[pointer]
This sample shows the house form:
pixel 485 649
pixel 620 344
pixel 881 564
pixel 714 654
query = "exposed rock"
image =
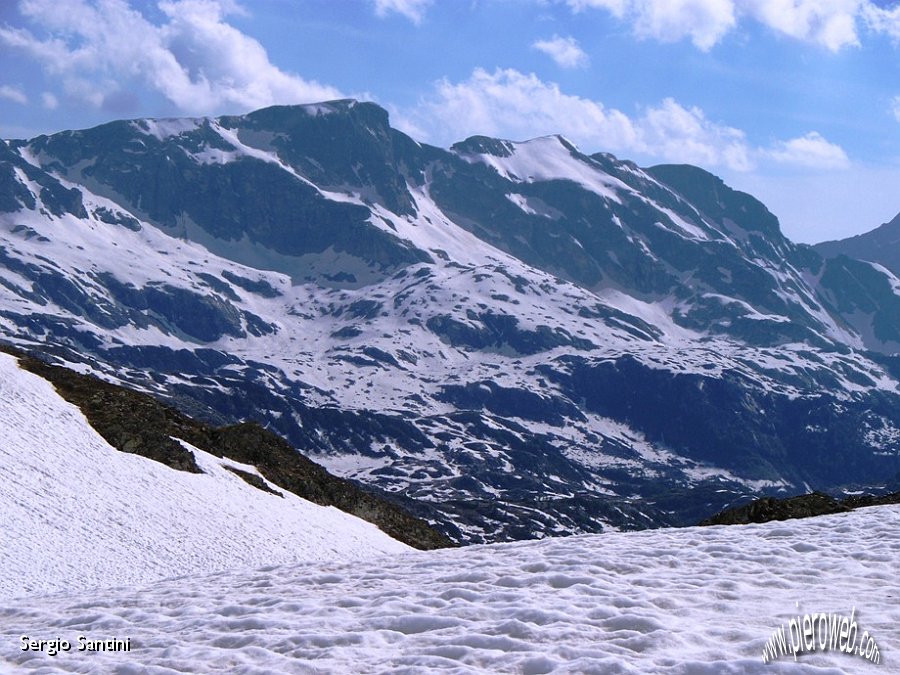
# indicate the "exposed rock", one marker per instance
pixel 861 501
pixel 770 508
pixel 802 506
pixel 252 479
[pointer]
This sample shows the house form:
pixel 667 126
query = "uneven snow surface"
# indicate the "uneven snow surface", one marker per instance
pixel 697 600
pixel 76 513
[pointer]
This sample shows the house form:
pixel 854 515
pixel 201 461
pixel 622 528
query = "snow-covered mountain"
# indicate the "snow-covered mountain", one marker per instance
pixel 79 514
pixel 529 340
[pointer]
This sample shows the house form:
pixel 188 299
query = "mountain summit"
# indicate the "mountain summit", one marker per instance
pixel 528 339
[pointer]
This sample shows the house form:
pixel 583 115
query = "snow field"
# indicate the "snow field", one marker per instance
pixel 76 513
pixel 689 601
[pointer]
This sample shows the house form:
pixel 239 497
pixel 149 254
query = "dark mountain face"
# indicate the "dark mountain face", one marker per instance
pixel 738 211
pixel 530 340
pixel 236 180
pixel 856 287
pixel 881 245
pixel 860 279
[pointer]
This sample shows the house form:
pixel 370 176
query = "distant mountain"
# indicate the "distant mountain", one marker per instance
pixel 527 339
pixel 881 245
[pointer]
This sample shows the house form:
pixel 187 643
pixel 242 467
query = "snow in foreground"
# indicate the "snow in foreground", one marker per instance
pixel 76 513
pixel 697 600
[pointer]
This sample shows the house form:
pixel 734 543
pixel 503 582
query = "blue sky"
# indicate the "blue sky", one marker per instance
pixel 795 101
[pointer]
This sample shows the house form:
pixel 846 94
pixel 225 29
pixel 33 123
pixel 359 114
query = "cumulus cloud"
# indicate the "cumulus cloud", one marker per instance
pixel 833 24
pixel 811 150
pixel 565 51
pixel 830 23
pixel 414 10
pixel 675 133
pixel 194 57
pixel 13 94
pixel 513 104
pixel 705 22
pixel 508 102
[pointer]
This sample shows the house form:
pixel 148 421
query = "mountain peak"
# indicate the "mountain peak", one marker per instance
pixel 367 113
pixel 484 145
pixel 498 147
pixel 711 195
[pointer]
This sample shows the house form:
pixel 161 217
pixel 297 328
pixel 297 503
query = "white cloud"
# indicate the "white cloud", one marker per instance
pixel 414 10
pixel 511 104
pixel 13 94
pixel 830 23
pixel 194 57
pixel 811 150
pixel 50 101
pixel 675 133
pixel 565 51
pixel 883 20
pixel 833 24
pixel 895 107
pixel 705 22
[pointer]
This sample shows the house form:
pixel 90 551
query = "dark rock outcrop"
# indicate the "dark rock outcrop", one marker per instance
pixel 802 506
pixel 770 508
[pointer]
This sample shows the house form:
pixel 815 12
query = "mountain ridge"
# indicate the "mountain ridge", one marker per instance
pixel 534 340
pixel 881 245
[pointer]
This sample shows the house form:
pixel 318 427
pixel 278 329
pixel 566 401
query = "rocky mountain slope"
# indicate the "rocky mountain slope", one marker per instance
pixel 881 245
pixel 529 340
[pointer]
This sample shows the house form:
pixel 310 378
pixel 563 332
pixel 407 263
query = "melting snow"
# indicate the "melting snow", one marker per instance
pixel 162 129
pixel 522 202
pixel 546 158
